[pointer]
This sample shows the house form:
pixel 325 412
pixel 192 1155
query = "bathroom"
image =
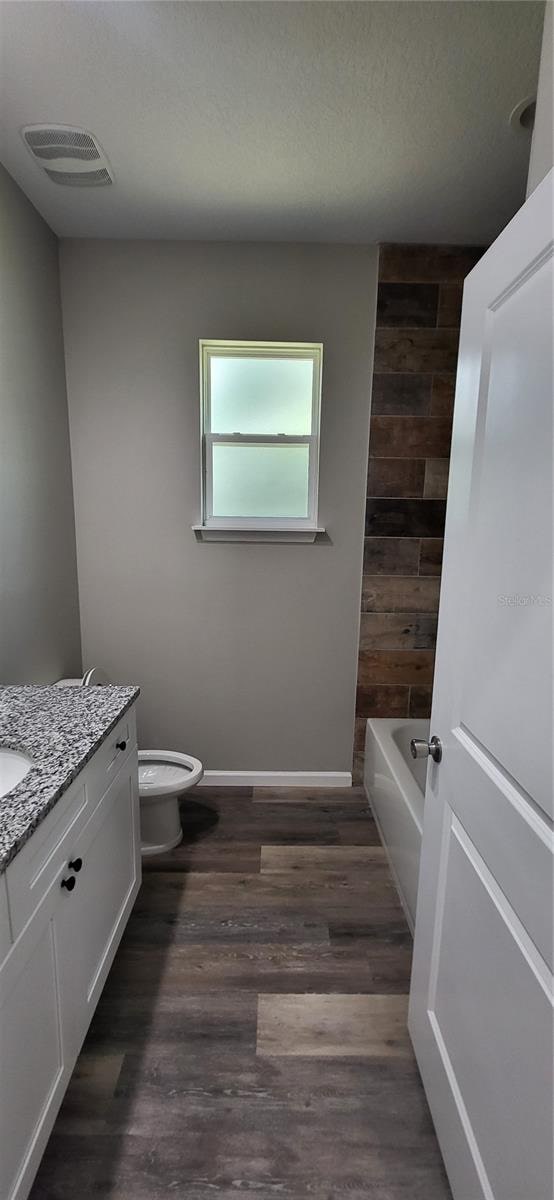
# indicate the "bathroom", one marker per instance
pixel 248 942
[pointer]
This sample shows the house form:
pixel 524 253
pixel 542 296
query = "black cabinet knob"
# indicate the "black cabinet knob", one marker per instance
pixel 121 745
pixel 75 864
pixel 69 883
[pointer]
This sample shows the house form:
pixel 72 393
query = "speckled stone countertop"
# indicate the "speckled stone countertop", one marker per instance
pixel 60 729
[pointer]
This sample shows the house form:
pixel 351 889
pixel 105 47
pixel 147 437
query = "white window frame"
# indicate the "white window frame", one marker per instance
pixel 256 528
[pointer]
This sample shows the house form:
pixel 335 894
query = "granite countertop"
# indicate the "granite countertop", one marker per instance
pixel 60 729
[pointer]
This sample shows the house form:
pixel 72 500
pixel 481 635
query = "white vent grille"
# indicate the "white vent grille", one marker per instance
pixel 81 179
pixel 58 136
pixel 84 153
pixel 69 153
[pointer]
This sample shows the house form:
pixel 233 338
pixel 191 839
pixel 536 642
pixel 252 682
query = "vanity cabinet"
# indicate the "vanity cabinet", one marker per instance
pixel 69 893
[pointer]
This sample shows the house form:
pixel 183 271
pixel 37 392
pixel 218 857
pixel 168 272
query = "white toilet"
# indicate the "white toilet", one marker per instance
pixel 163 776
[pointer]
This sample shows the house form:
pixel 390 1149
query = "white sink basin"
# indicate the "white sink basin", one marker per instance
pixel 14 766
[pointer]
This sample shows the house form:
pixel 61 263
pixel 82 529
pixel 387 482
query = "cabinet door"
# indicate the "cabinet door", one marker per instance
pixel 31 1060
pixel 91 917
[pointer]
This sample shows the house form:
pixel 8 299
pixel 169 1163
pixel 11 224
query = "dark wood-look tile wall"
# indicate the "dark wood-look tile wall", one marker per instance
pixel 442 395
pixel 419 304
pixel 399 593
pixel 410 437
pixel 420 350
pixel 407 304
pixel 436 477
pixel 397 477
pixel 397 517
pixel 401 395
pixel 397 630
pixel 405 263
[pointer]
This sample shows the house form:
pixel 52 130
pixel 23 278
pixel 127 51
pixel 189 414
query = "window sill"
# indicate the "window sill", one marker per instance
pixel 271 533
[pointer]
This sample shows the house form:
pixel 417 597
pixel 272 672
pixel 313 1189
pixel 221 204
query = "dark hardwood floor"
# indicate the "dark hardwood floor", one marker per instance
pixel 251 1038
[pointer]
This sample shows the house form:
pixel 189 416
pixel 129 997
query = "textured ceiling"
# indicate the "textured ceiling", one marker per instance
pixel 277 121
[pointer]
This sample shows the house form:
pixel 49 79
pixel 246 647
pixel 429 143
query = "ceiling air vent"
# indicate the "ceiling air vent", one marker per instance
pixel 68 155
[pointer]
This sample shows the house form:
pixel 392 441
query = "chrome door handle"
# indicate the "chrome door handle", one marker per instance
pixel 432 748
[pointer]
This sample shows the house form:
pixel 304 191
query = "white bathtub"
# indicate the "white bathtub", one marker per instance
pixel 395 784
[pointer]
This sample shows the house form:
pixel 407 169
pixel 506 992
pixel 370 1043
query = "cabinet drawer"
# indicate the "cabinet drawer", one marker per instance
pixel 111 755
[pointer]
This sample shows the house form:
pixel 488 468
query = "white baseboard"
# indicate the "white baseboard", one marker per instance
pixel 300 779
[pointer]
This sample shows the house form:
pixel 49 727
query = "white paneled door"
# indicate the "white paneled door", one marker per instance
pixel 481 1000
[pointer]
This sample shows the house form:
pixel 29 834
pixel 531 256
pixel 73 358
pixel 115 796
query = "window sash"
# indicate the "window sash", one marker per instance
pixel 287 350
pixel 214 439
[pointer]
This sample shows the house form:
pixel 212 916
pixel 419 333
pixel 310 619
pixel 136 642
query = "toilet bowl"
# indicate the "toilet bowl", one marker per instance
pixel 163 777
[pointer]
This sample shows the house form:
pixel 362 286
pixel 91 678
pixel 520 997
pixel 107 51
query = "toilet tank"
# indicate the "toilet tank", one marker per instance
pixel 94 677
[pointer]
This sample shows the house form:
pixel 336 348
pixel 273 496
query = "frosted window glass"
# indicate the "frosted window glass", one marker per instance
pixel 260 481
pixel 261 395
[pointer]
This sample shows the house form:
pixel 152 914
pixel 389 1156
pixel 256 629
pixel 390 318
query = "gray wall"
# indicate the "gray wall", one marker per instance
pixel 246 653
pixel 542 146
pixel 39 614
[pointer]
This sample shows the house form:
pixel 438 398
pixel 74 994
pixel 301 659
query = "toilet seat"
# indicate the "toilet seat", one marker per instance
pixel 166 773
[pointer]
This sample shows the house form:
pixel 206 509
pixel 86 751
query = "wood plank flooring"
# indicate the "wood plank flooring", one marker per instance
pixel 251 1038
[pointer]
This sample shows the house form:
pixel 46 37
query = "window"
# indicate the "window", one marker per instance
pixel 260 437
